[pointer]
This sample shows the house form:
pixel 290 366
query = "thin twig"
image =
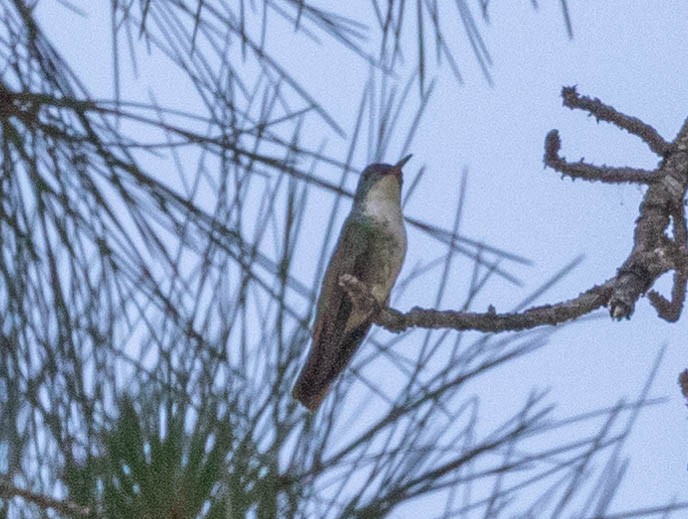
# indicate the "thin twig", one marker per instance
pixel 604 112
pixel 591 172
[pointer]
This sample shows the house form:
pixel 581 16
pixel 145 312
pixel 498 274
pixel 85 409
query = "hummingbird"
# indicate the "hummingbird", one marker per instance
pixel 371 247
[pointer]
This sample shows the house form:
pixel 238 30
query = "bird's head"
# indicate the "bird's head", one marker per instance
pixel 381 180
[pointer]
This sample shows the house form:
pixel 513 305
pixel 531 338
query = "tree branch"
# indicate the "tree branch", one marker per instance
pixel 653 252
pixel 683 383
pixel 602 112
pixel 490 321
pixel 590 171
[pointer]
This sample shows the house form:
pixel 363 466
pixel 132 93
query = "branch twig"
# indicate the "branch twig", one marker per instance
pixel 683 383
pixel 602 112
pixel 589 171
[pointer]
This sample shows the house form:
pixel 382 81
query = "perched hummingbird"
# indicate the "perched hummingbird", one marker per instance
pixel 371 247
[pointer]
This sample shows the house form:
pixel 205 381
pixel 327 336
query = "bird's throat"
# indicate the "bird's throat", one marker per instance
pixel 383 200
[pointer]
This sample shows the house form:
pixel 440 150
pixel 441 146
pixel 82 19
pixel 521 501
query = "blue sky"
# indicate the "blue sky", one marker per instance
pixel 630 55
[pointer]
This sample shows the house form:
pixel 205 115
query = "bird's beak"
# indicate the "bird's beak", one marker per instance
pixel 400 164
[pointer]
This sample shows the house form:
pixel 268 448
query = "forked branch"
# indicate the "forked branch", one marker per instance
pixel 659 241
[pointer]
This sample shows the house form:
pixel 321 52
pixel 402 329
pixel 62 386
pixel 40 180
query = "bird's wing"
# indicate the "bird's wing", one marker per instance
pixel 333 344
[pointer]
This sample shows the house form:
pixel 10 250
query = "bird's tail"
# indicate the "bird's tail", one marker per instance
pixel 325 363
pixel 308 389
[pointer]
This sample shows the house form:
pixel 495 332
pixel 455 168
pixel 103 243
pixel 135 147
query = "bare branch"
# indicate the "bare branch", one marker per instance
pixel 490 321
pixel 670 310
pixel 652 255
pixel 590 171
pixel 604 112
pixel 683 382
